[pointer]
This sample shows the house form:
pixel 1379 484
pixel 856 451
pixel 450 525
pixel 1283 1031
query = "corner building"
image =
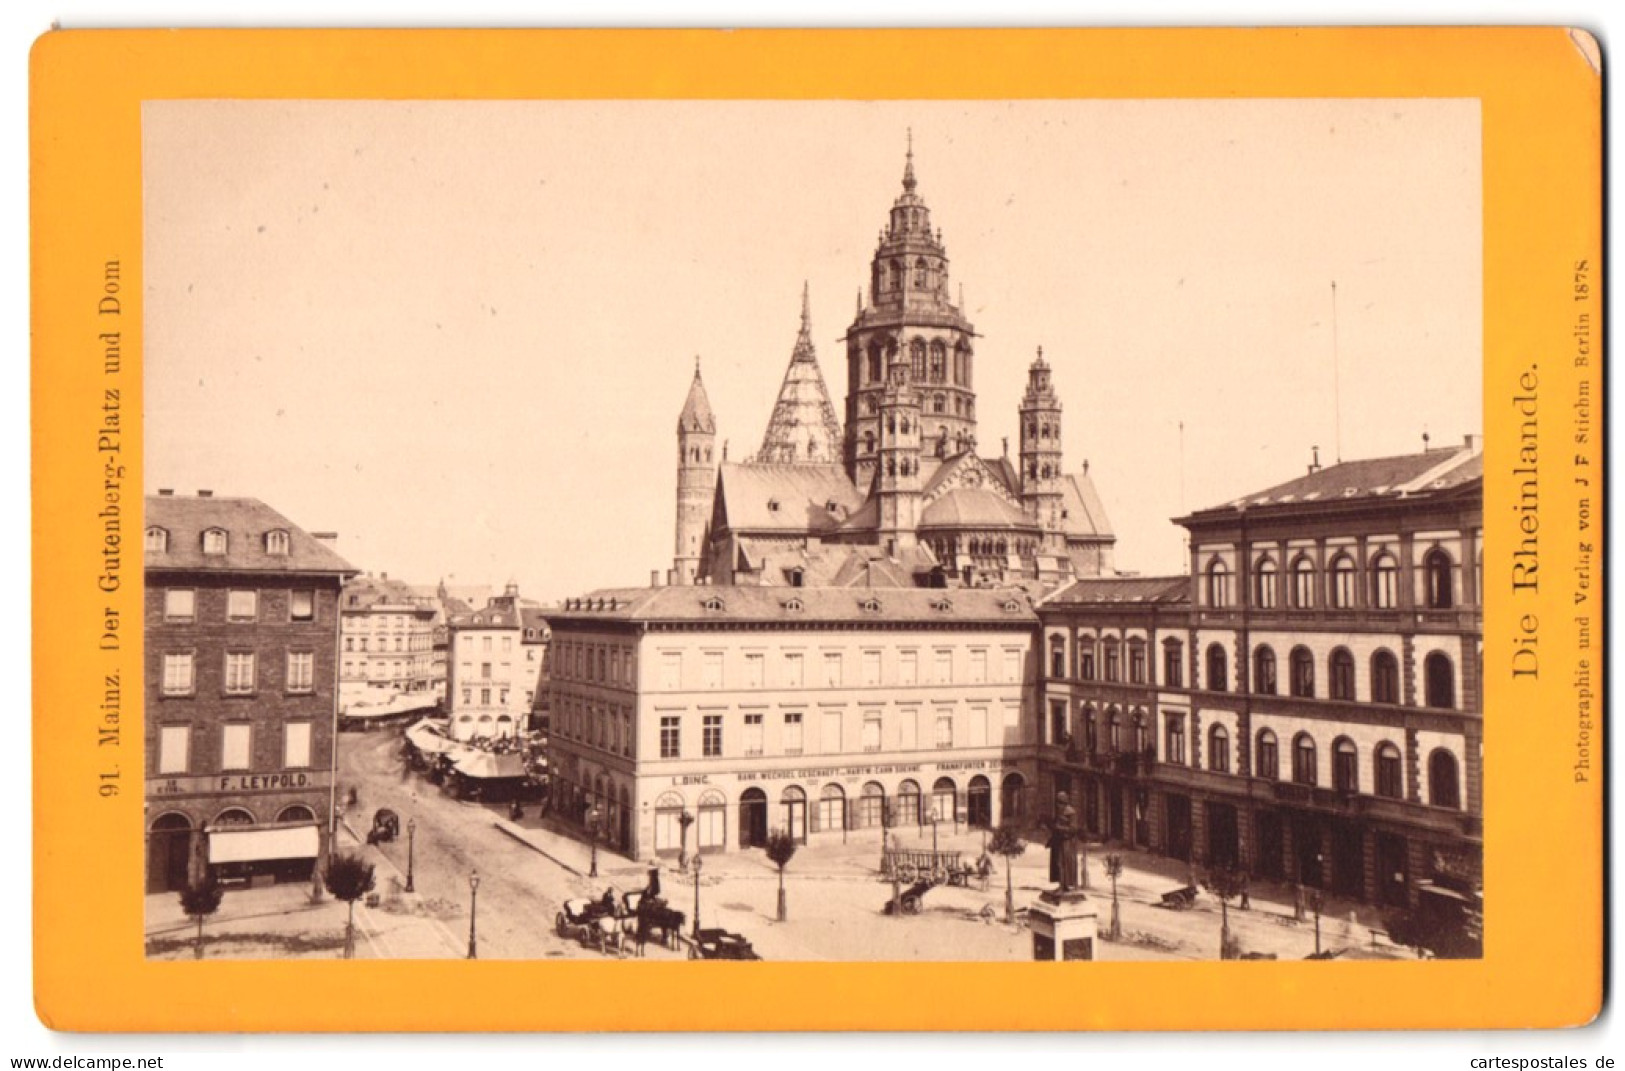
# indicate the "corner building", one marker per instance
pixel 241 692
pixel 824 712
pixel 1307 704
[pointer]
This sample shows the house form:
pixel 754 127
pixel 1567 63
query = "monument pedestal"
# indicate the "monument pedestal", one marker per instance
pixel 1065 926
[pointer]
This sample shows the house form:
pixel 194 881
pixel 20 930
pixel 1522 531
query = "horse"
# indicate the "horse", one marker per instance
pixel 614 929
pixel 655 914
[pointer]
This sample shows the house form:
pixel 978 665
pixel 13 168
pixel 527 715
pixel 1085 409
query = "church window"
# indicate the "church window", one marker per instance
pixel 874 364
pixel 920 273
pixel 896 282
pixel 868 442
pixel 939 404
pixel 916 356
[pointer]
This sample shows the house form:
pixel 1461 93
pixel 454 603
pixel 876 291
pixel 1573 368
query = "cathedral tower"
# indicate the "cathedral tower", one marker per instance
pixel 897 459
pixel 696 479
pixel 1041 453
pixel 803 428
pixel 910 318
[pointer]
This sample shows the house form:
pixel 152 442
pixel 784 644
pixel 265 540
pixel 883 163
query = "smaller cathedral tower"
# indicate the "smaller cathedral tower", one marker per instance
pixel 897 462
pixel 696 479
pixel 1041 453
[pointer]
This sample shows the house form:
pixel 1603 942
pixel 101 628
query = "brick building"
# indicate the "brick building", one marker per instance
pixel 241 693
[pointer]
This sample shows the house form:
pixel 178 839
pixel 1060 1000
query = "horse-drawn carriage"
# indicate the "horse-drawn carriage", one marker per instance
pixel 936 868
pixel 386 826
pixel 1179 899
pixel 606 922
pixel 720 944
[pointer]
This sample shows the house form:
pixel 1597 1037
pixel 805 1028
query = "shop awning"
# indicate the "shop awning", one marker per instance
pixel 427 739
pixel 488 764
pixel 253 845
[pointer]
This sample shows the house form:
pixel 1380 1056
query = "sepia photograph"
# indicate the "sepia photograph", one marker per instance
pixel 898 531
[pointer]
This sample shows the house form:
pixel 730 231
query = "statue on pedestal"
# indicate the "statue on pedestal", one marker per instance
pixel 1063 852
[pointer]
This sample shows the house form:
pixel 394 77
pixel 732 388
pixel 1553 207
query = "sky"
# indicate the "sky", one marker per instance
pixel 460 333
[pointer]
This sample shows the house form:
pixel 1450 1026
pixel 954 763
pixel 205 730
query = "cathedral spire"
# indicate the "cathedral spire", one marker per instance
pixel 803 427
pixel 697 415
pixel 908 165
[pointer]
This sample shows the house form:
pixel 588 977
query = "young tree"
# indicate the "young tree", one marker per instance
pixel 348 878
pixel 781 848
pixel 1114 870
pixel 199 901
pixel 1225 884
pixel 1008 842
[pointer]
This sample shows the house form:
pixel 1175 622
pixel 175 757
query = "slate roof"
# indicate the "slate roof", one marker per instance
pixel 816 605
pixel 696 414
pixel 802 493
pixel 1405 476
pixel 1160 590
pixel 245 522
pixel 973 507
pixel 1085 513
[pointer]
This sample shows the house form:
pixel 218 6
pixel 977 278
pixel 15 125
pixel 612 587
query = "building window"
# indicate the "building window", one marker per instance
pixel 242 605
pixel 1303 673
pixel 1384 677
pixel 276 542
pixel 1303 759
pixel 871 668
pixel 180 604
pixel 671 670
pixel 1114 731
pixel 753 734
pixel 793 675
pixel 296 744
pixel 1342 675
pixel 214 541
pixel 755 669
pixel 1344 583
pixel 832 669
pixel 670 736
pixel 1057 721
pixel 178 676
pixel 1174 749
pixel 1345 766
pixel 1113 661
pixel 1265 582
pixel 240 673
pixel 871 731
pixel 174 749
pixel 1218 584
pixel 1444 789
pixel 1436 575
pixel 157 540
pixel 485 671
pixel 945 730
pixel 944 667
pixel 978 667
pixel 711 742
pixel 1303 584
pixel 1086 661
pixel 711 669
pixel 1218 749
pixel 1390 780
pixel 1091 735
pixel 485 697
pixel 1269 756
pixel 301 606
pixel 792 733
pixel 235 752
pixel 1384 582
pixel 1264 671
pixel 1439 679
pixel 1218 674
pixel 1136 662
pixel 301 671
pixel 908 667
pixel 1057 657
pixel 1173 664
pixel 1012 665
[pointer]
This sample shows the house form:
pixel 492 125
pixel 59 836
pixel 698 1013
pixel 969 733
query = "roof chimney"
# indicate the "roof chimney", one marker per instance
pixel 1314 464
pixel 654 578
pixel 205 493
pixel 1472 442
pixel 166 492
pixel 325 537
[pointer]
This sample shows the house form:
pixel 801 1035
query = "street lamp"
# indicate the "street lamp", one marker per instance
pixel 411 846
pixel 696 897
pixel 1317 901
pixel 936 816
pixel 593 818
pixel 473 911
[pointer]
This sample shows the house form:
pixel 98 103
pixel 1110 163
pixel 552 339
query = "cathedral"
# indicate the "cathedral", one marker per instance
pixel 900 497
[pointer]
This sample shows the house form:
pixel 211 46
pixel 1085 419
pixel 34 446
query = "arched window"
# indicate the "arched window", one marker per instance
pixel 1264 670
pixel 1384 677
pixel 875 372
pixel 157 540
pixel 1218 584
pixel 916 357
pixel 1344 590
pixel 1440 679
pixel 1303 759
pixel 1173 664
pixel 1142 733
pixel 1384 582
pixel 1390 778
pixel 939 362
pixel 896 275
pixel 920 273
pixel 1268 765
pixel 1444 788
pixel 1218 674
pixel 1345 766
pixel 1303 584
pixel 1436 571
pixel 1114 732
pixel 939 404
pixel 869 442
pixel 1218 749
pixel 1342 675
pixel 1266 580
pixel 1303 673
pixel 908 804
pixel 1086 658
pixel 1091 736
pixel 1113 659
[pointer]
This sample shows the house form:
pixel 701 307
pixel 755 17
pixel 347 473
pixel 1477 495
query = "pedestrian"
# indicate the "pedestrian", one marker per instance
pixel 652 890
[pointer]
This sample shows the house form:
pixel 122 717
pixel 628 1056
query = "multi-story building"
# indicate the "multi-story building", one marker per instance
pixel 821 711
pixel 494 660
pixel 1307 703
pixel 241 639
pixel 387 629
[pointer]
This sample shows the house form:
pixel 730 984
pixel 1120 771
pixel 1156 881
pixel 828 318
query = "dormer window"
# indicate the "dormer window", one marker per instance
pixel 157 540
pixel 794 605
pixel 714 604
pixel 942 606
pixel 276 541
pixel 772 505
pixel 870 606
pixel 214 541
pixel 1011 606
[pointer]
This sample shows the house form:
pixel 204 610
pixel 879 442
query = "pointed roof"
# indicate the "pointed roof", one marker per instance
pixel 803 428
pixel 696 415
